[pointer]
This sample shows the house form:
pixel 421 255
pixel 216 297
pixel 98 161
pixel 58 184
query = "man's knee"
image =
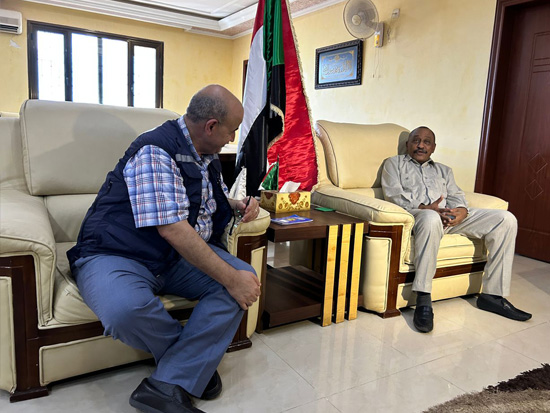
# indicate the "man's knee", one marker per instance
pixel 428 220
pixel 239 264
pixel 504 221
pixel 509 220
pixel 251 269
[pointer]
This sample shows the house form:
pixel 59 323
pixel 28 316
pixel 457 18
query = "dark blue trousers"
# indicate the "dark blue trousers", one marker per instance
pixel 124 296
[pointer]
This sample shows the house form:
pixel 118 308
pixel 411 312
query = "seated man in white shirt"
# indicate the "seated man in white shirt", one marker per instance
pixel 428 191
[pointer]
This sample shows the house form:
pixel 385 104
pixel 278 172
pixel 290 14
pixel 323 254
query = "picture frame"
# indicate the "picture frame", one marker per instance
pixel 339 65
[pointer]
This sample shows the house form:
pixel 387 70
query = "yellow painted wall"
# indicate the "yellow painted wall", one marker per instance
pixel 241 49
pixel 190 61
pixel 432 71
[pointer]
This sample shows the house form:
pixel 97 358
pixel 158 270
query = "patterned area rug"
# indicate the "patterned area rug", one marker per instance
pixel 527 393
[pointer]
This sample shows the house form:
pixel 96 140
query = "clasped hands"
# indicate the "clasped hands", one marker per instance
pixel 450 217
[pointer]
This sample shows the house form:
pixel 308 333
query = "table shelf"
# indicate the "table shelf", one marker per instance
pixel 295 293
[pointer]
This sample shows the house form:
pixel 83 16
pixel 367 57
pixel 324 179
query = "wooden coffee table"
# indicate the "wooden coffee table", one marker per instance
pixel 297 293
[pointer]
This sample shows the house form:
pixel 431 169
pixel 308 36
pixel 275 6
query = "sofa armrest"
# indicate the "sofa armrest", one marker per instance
pixel 245 229
pixel 369 208
pixel 361 206
pixel 477 200
pixel 255 252
pixel 25 230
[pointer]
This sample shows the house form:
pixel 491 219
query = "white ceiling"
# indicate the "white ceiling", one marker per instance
pixel 221 18
pixel 209 8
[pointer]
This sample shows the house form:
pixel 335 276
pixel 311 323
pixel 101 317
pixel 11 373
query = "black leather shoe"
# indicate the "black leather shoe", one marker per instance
pixel 423 318
pixel 150 400
pixel 213 388
pixel 500 305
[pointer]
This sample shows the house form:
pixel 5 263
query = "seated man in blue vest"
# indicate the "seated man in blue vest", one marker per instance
pixel 427 190
pixel 155 228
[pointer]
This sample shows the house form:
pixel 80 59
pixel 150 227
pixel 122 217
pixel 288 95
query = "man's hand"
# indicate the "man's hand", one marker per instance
pixel 243 285
pixel 244 288
pixel 443 212
pixel 434 205
pixel 249 212
pixel 459 214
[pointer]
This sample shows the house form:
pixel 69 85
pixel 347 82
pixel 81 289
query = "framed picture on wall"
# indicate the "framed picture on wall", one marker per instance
pixel 339 65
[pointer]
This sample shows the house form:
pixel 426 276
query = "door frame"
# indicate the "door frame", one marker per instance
pixel 494 96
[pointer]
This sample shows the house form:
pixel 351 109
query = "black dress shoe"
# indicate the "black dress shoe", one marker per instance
pixel 424 318
pixel 150 400
pixel 213 388
pixel 501 306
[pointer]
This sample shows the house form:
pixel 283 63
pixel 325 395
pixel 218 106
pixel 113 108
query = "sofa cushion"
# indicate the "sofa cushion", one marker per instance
pixel 11 158
pixel 72 153
pixel 68 305
pixel 353 145
pixel 66 214
pixel 454 250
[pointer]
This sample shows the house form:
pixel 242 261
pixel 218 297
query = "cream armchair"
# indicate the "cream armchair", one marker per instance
pixel 350 158
pixel 53 160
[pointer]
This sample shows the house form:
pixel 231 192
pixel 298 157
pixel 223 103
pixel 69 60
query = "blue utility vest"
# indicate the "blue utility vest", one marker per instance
pixel 109 226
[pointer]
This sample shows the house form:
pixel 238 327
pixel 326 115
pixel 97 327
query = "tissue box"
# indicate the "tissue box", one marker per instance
pixel 275 201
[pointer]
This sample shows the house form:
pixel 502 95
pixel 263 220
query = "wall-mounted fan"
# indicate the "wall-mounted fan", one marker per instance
pixel 361 18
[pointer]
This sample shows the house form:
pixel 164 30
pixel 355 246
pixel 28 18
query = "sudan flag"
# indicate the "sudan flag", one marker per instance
pixel 276 123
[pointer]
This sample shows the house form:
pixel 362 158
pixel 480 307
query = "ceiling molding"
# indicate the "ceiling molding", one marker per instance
pixel 241 20
pixel 135 12
pixel 240 17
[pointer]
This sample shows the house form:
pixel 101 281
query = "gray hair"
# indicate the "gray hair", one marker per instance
pixel 204 106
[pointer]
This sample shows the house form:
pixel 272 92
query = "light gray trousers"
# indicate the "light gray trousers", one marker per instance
pixel 496 227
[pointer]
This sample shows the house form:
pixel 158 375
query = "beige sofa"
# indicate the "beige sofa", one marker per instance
pixel 350 161
pixel 53 159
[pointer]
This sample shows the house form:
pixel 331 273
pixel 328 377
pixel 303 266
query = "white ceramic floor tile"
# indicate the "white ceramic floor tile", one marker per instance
pixel 278 254
pixel 380 365
pixel 318 406
pixel 409 391
pixel 532 342
pixel 257 380
pixel 445 339
pixel 100 393
pixel 336 357
pixel 476 368
pixel 525 266
pixel 465 313
pixel 532 294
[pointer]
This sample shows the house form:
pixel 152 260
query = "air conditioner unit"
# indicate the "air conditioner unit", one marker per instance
pixel 11 22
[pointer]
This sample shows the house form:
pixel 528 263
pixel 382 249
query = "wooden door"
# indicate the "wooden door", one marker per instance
pixel 515 147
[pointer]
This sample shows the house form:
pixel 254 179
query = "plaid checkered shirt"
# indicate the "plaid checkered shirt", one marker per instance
pixel 156 189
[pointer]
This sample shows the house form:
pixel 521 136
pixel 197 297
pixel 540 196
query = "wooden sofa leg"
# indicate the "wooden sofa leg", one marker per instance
pixel 240 341
pixel 390 313
pixel 34 393
pixel 393 232
pixel 391 303
pixel 244 251
pixel 25 320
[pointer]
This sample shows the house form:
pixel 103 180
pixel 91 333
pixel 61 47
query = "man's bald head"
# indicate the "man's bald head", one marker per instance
pixel 213 116
pixel 212 102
